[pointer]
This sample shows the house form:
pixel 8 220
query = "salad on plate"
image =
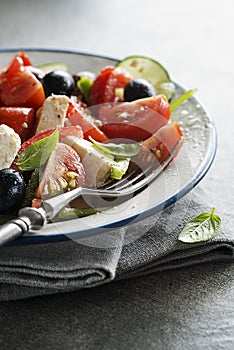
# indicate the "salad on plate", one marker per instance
pixel 60 130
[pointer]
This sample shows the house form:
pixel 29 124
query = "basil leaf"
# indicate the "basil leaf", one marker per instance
pixel 181 99
pixel 201 228
pixel 37 153
pixel 32 187
pixel 119 150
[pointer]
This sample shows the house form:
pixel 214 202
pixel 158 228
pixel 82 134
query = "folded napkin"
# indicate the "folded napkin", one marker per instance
pixel 145 247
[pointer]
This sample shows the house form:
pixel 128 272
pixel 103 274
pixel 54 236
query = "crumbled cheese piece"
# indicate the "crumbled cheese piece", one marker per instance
pixel 97 164
pixel 10 144
pixel 53 113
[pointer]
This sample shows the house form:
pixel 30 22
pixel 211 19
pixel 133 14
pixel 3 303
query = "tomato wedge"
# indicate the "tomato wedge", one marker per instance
pixel 20 119
pixel 25 58
pixel 77 115
pixel 136 120
pixel 164 140
pixel 64 171
pixel 19 87
pixel 104 87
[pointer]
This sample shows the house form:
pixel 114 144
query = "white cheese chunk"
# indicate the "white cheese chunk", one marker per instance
pixel 10 144
pixel 97 164
pixel 53 113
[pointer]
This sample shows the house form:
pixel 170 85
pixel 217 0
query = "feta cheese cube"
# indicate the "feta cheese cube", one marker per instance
pixel 97 164
pixel 10 144
pixel 53 113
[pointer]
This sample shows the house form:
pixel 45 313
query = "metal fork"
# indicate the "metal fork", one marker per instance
pixel 34 219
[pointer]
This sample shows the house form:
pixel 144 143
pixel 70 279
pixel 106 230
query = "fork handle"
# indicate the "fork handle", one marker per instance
pixel 12 230
pixel 29 219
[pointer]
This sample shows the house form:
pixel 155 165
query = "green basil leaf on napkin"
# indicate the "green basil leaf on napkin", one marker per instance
pixel 201 228
pixel 37 153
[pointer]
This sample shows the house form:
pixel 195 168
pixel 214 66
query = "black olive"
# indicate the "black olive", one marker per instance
pixel 138 88
pixel 58 82
pixel 12 190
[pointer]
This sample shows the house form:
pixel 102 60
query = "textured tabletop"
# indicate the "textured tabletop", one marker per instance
pixel 187 308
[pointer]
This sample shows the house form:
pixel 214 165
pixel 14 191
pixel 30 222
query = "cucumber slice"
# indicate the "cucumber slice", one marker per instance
pixel 151 70
pixel 50 67
pixel 167 89
pixel 119 168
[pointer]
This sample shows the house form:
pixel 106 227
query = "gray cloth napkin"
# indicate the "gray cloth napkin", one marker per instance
pixel 144 247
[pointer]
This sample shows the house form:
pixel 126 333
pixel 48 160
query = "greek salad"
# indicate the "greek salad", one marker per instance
pixel 61 130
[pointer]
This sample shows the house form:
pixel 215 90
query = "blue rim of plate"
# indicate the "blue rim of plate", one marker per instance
pixel 204 168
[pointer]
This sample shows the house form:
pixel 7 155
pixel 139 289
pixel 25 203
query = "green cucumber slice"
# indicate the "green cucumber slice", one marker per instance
pixel 119 168
pixel 50 67
pixel 167 89
pixel 151 70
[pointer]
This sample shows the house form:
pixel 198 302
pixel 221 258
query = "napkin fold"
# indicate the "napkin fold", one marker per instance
pixel 145 247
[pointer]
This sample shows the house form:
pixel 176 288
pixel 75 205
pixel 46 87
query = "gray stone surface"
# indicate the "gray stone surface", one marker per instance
pixel 187 308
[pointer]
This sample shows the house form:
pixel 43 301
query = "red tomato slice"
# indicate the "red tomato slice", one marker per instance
pixel 77 115
pixel 72 130
pixel 19 87
pixel 104 86
pixel 135 120
pixel 36 203
pixel 20 119
pixel 164 140
pixel 25 58
pixel 64 171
